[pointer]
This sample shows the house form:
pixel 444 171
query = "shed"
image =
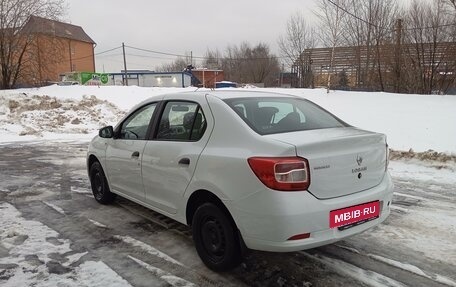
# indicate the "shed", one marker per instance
pixel 144 78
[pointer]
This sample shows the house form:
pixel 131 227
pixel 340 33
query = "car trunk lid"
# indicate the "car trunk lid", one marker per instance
pixel 342 160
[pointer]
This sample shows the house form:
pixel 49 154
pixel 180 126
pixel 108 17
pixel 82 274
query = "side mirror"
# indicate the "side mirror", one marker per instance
pixel 106 132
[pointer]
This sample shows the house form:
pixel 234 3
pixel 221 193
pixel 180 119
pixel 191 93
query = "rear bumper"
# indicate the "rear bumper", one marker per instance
pixel 268 218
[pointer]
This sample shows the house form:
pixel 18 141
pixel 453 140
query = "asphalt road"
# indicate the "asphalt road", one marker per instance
pixel 47 182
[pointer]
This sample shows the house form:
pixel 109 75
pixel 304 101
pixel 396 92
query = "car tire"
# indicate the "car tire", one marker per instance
pixel 99 184
pixel 216 238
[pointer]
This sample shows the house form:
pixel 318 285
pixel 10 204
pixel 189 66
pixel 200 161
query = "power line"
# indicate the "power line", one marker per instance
pixel 106 51
pixel 351 14
pixel 158 52
pixel 203 57
pixel 371 24
pixel 149 57
pixel 91 55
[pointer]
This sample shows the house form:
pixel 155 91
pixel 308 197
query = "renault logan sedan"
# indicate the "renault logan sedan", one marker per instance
pixel 267 171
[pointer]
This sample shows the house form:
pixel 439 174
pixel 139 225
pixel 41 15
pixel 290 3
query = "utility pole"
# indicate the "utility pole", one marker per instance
pixel 398 52
pixel 125 66
pixel 191 58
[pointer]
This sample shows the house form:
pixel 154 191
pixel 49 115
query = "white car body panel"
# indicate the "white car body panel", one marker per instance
pixel 218 163
pixel 332 155
pixel 123 170
pixel 165 180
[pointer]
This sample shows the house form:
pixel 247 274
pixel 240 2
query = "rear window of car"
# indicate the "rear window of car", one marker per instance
pixel 270 115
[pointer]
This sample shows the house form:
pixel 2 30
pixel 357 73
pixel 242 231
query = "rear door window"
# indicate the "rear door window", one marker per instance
pixel 181 121
pixel 282 114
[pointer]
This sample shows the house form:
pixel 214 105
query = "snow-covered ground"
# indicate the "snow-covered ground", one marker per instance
pixel 32 246
pixel 418 122
pixel 52 233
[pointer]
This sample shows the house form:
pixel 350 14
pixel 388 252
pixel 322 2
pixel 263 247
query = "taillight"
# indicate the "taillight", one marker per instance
pixel 282 173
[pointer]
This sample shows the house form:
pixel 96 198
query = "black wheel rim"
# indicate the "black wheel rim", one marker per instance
pixel 97 185
pixel 213 238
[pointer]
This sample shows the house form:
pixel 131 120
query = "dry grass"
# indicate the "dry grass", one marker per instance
pixel 429 155
pixel 12 105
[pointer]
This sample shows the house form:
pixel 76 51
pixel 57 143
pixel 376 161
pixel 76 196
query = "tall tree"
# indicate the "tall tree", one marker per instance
pixel 178 65
pixel 452 2
pixel 332 15
pixel 369 26
pixel 299 36
pixel 212 59
pixel 384 14
pixel 14 40
pixel 430 33
pixel 247 64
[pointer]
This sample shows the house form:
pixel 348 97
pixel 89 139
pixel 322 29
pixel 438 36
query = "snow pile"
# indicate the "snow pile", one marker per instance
pixel 429 155
pixel 418 122
pixel 35 115
pixel 430 159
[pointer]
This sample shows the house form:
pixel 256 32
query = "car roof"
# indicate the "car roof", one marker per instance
pixel 221 94
pixel 229 94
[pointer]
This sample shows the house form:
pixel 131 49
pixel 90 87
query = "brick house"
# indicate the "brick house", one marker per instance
pixel 208 77
pixel 55 48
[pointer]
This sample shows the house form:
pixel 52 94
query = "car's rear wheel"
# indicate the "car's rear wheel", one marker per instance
pixel 216 238
pixel 99 184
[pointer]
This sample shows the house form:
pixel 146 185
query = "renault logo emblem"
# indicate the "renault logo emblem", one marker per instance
pixel 359 160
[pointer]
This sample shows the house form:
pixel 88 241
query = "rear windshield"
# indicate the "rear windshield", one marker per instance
pixel 282 114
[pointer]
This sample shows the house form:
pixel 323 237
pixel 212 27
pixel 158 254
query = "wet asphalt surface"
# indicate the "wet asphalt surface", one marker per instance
pixel 33 174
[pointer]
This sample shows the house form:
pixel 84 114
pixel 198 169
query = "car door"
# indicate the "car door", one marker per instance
pixel 170 158
pixel 124 153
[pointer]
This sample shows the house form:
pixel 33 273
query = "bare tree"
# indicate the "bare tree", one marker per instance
pixel 263 67
pixel 212 59
pixel 331 16
pixel 299 37
pixel 452 2
pixel 369 27
pixel 247 64
pixel 430 52
pixel 15 41
pixel 178 65
pixel 383 19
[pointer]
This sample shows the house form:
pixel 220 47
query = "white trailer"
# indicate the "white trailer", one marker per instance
pixel 152 79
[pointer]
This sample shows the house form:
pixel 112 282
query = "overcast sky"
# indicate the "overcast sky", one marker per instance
pixel 179 26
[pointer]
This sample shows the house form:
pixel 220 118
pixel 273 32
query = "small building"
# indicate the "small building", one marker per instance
pixel 287 79
pixel 145 78
pixel 399 67
pixel 208 77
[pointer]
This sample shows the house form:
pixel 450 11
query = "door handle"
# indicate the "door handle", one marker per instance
pixel 135 154
pixel 184 160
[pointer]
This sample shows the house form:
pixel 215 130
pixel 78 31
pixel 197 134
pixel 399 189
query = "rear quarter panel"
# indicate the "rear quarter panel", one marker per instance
pixel 223 168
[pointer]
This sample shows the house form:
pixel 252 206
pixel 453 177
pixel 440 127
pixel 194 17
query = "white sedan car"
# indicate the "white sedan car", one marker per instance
pixel 267 171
